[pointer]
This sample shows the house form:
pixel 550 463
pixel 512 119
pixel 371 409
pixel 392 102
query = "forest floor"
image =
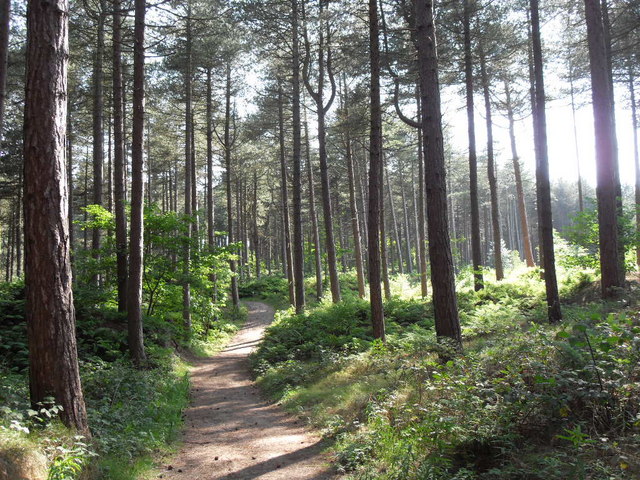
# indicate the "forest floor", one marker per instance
pixel 232 432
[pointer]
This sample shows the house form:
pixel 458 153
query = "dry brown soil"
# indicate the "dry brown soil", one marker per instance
pixel 231 432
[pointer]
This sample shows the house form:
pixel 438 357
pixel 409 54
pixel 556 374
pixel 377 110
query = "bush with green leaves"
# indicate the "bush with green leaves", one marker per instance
pixel 581 249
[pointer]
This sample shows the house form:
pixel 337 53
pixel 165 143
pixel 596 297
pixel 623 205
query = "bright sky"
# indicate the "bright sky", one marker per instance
pixel 562 150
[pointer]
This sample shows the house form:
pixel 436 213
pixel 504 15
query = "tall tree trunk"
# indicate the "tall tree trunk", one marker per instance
pixel 228 145
pixel 491 170
pixel 636 156
pixel 5 25
pixel 50 315
pixel 211 238
pixel 384 257
pixel 522 207
pixel 407 233
pixel 375 181
pixel 134 285
pixel 422 250
pixel 70 182
pixel 575 140
pixel 324 66
pixel 118 159
pixel 543 187
pixel 606 161
pixel 396 230
pixel 288 258
pixel 298 244
pixel 314 217
pixel 355 225
pixel 473 161
pixel 442 274
pixel 606 24
pixel 98 126
pixel 188 177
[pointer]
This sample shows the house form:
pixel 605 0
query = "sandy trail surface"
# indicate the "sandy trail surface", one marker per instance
pixel 231 432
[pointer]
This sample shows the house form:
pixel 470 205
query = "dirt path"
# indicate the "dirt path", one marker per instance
pixel 232 432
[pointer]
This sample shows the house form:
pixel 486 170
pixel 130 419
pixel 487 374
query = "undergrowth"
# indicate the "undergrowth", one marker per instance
pixel 134 414
pixel 525 400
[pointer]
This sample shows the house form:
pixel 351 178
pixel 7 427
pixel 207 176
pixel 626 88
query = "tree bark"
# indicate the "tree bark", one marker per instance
pixel 134 285
pixel 473 161
pixel 442 273
pixel 375 182
pixel 636 156
pixel 288 257
pixel 188 177
pixel 5 24
pixel 298 244
pixel 606 162
pixel 98 126
pixel 228 146
pixel 522 207
pixel 118 159
pixel 491 170
pixel 543 188
pixel 322 109
pixel 355 225
pixel 314 217
pixel 50 315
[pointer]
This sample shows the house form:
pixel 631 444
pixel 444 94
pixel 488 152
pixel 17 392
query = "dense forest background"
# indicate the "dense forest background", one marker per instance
pixel 393 175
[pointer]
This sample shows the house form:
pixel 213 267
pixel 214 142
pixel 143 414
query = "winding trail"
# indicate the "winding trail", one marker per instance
pixel 231 432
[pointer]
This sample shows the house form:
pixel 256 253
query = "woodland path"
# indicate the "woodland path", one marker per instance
pixel 231 432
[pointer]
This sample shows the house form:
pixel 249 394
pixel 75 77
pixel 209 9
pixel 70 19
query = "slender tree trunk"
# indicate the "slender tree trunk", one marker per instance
pixel 473 161
pixel 228 145
pixel 298 244
pixel 442 274
pixel 188 177
pixel 134 297
pixel 522 208
pixel 491 171
pixel 543 188
pixel 375 180
pixel 407 233
pixel 606 161
pixel 49 311
pixel 287 261
pixel 396 230
pixel 322 109
pixel 118 159
pixel 70 182
pixel 98 127
pixel 636 157
pixel 5 24
pixel 384 258
pixel 422 250
pixel 575 141
pixel 211 238
pixel 355 225
pixel 314 217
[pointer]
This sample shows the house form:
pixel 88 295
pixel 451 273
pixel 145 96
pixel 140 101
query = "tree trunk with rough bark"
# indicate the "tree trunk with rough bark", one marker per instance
pixel 543 187
pixel 118 159
pixel 314 216
pixel 49 310
pixel 473 160
pixel 442 273
pixel 134 285
pixel 491 170
pixel 375 182
pixel 5 24
pixel 606 155
pixel 522 207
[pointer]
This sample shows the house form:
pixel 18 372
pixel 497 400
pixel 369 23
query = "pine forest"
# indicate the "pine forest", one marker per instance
pixel 319 239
